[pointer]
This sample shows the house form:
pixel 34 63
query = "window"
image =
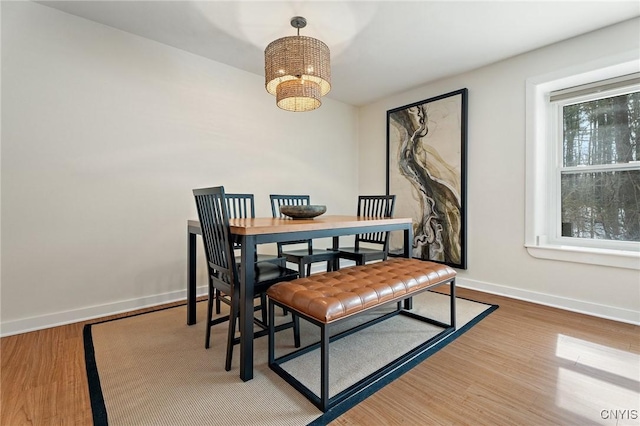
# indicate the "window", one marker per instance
pixel 583 165
pixel 598 169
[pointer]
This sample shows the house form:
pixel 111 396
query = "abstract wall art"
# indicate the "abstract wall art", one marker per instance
pixel 426 170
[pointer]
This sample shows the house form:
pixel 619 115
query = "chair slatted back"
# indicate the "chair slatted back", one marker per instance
pixel 375 206
pixel 278 201
pixel 213 213
pixel 240 206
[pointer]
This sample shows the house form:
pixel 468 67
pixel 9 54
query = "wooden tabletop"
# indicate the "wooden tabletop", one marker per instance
pixel 268 225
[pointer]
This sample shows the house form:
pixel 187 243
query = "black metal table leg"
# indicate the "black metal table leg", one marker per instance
pixel 247 278
pixel 408 246
pixel 452 302
pixel 335 246
pixel 191 278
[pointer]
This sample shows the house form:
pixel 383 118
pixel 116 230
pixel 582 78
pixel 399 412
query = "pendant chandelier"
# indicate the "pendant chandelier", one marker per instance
pixel 297 70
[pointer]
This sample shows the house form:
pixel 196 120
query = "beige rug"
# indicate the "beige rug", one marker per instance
pixel 153 369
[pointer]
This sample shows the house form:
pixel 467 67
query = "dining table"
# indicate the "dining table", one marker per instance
pixel 262 230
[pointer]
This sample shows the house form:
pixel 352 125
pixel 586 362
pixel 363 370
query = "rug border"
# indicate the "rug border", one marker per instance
pixel 99 409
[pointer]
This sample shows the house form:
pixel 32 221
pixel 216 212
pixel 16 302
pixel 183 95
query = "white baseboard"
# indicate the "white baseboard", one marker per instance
pixel 25 325
pixel 76 315
pixel 573 305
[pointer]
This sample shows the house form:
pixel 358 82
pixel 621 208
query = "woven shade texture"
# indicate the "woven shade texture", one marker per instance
pixel 295 57
pixel 298 95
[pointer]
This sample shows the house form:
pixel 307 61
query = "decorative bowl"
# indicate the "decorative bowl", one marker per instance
pixel 303 212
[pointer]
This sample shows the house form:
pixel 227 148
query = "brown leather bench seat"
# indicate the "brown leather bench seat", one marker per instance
pixel 325 299
pixel 331 296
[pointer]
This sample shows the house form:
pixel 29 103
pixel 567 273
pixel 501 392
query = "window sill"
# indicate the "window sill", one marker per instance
pixel 592 256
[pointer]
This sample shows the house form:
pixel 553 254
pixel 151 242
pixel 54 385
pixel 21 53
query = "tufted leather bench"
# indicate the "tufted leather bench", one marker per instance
pixel 328 298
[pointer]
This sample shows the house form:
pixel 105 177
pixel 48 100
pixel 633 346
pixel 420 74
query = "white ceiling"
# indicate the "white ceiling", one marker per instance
pixel 377 48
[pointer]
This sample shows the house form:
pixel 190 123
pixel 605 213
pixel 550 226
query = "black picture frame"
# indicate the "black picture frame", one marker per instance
pixel 427 171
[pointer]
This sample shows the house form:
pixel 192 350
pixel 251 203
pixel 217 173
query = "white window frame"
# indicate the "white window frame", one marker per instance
pixel 543 155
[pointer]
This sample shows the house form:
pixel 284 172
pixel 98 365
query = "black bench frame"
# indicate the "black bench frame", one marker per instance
pixel 323 402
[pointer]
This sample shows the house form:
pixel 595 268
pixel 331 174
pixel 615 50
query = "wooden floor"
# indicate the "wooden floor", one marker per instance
pixel 525 364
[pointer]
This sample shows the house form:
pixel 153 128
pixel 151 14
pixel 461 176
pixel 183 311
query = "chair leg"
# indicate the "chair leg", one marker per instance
pixel 218 295
pixel 296 330
pixel 263 307
pixel 233 317
pixel 209 315
pixel 301 274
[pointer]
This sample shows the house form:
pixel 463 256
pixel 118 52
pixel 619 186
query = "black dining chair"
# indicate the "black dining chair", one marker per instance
pixel 374 245
pixel 223 271
pixel 302 257
pixel 242 206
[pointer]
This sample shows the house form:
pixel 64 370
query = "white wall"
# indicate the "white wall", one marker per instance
pixel 497 259
pixel 105 134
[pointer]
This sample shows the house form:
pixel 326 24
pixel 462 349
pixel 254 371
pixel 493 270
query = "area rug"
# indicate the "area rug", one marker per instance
pixel 153 369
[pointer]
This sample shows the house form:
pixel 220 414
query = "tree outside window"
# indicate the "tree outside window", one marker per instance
pixel 599 175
